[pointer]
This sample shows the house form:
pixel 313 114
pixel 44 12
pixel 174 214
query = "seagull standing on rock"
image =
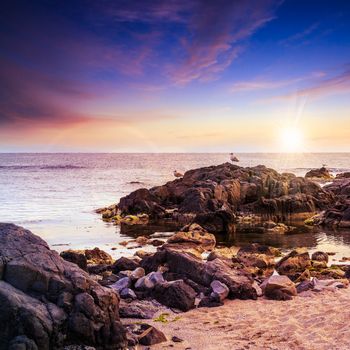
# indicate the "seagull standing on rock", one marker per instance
pixel 233 158
pixel 177 174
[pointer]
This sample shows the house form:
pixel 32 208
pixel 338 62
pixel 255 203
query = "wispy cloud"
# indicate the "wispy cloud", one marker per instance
pixel 211 32
pixel 338 84
pixel 254 85
pixel 266 84
pixel 300 37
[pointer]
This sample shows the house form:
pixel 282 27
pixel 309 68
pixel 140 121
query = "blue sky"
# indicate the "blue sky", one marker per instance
pixel 175 76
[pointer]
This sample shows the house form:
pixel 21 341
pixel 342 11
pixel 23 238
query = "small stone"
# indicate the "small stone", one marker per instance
pixel 176 339
pixel 137 274
pixel 220 290
pixel 123 283
pixel 127 293
pixel 152 336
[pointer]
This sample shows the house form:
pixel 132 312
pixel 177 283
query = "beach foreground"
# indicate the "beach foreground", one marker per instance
pixel 312 321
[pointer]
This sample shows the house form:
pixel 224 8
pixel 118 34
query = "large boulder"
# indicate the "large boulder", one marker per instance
pixel 175 294
pixel 50 301
pixel 279 288
pixel 321 174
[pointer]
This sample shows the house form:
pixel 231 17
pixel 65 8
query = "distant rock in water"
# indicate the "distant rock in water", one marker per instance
pixel 319 174
pixel 47 302
pixel 214 196
pixel 343 175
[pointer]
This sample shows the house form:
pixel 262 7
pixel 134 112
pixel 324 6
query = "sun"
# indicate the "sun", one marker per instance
pixel 291 139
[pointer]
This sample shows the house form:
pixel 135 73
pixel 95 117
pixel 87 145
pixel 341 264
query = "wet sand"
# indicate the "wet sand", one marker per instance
pixel 319 321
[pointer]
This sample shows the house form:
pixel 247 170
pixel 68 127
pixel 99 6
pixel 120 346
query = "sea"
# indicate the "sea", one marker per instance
pixel 55 194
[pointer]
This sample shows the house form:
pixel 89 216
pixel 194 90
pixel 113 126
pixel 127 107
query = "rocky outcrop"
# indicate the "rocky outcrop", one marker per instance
pixel 87 258
pixel 337 215
pixel 321 174
pixel 49 302
pixel 214 196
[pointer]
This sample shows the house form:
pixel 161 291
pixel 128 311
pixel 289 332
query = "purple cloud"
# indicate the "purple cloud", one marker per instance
pixel 217 30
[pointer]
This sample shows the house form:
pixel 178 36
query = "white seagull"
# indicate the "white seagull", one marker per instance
pixel 233 158
pixel 177 174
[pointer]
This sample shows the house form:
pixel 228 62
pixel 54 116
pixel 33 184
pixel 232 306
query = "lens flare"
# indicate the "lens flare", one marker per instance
pixel 291 139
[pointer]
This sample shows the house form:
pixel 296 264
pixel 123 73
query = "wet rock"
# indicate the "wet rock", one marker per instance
pixel 332 272
pixel 320 256
pixel 97 256
pixel 256 255
pixel 219 291
pixel 93 260
pixel 194 234
pixel 52 301
pixel 156 242
pixel 124 264
pixel 294 263
pixel 141 254
pixel 142 240
pixel 175 294
pixel 280 228
pixel 225 253
pixel 279 288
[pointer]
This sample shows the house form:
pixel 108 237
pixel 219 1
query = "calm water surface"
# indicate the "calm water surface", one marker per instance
pixel 54 195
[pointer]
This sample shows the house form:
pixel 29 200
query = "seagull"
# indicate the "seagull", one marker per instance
pixel 233 158
pixel 177 174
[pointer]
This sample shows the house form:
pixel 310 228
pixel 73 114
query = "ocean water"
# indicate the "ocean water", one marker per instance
pixel 55 195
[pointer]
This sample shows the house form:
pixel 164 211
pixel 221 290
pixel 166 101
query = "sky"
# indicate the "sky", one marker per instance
pixel 175 76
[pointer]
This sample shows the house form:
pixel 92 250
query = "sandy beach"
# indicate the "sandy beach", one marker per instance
pixel 318 321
